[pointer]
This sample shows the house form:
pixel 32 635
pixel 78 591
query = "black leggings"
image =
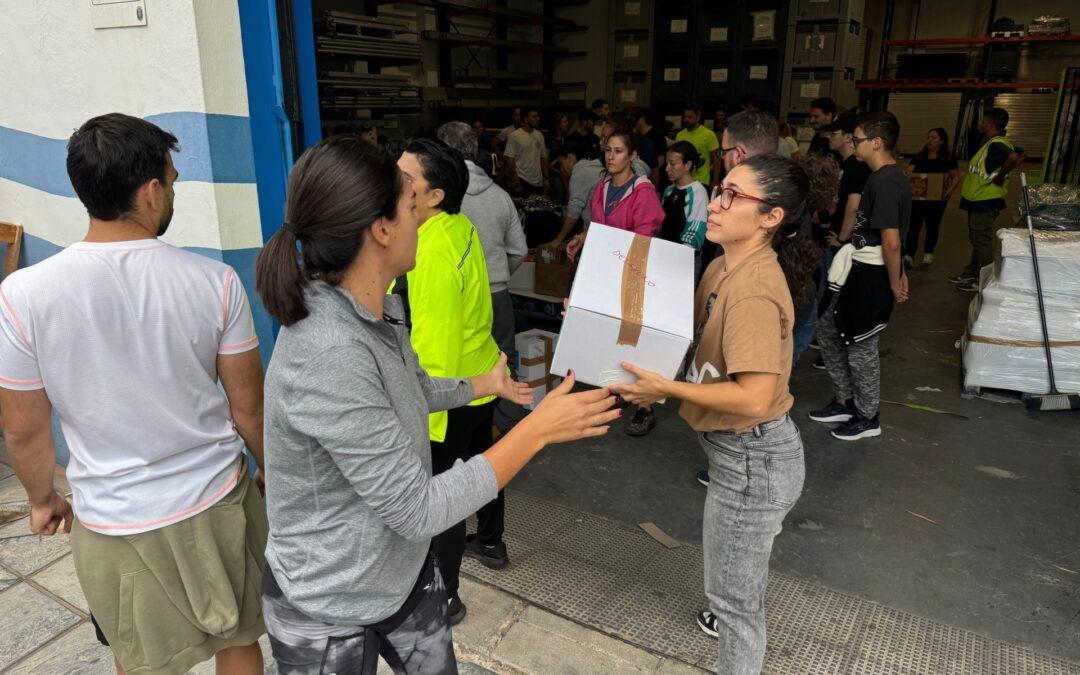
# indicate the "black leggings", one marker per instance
pixel 932 213
pixel 468 433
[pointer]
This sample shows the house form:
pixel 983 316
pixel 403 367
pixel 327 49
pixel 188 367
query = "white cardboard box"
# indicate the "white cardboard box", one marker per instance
pixel 595 339
pixel 535 349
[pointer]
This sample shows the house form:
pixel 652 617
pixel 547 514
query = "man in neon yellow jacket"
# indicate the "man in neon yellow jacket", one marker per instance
pixel 451 314
pixel 983 193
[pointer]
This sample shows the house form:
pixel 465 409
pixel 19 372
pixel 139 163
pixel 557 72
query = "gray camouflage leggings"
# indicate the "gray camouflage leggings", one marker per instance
pixel 855 370
pixel 416 640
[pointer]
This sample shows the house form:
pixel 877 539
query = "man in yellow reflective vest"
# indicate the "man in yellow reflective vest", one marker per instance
pixel 983 193
pixel 450 312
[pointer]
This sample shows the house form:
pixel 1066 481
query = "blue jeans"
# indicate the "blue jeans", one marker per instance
pixel 754 480
pixel 805 323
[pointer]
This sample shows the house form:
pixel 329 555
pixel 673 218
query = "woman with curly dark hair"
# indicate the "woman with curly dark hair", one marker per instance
pixel 736 394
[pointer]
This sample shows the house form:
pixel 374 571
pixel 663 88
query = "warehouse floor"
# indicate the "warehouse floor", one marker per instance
pixel 973 523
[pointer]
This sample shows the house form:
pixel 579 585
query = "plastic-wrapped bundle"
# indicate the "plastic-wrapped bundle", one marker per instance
pixel 1003 345
pixel 1059 262
pixel 1055 206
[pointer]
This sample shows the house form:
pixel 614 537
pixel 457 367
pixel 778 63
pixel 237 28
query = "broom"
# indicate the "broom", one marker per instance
pixel 1054 400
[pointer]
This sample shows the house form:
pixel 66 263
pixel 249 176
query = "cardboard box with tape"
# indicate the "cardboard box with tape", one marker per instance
pixel 536 349
pixel 928 187
pixel 554 271
pixel 632 300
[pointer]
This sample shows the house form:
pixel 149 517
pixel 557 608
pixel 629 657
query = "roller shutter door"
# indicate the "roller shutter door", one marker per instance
pixel 1030 119
pixel 921 112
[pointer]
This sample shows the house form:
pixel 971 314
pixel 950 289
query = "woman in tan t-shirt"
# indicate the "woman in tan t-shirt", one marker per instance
pixel 736 395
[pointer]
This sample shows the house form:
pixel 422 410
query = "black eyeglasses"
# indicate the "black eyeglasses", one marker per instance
pixel 732 148
pixel 859 139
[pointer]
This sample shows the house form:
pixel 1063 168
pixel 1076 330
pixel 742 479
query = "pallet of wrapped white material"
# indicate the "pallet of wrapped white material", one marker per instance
pixel 1059 261
pixel 1002 347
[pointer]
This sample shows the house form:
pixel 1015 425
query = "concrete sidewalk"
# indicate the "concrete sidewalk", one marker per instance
pixel 583 594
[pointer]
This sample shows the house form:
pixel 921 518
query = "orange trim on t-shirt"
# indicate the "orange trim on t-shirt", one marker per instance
pixel 20 382
pixel 237 345
pixel 14 318
pixel 176 516
pixel 225 300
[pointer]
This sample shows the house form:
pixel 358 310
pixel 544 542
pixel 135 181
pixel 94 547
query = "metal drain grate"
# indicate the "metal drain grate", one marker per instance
pixel 621 581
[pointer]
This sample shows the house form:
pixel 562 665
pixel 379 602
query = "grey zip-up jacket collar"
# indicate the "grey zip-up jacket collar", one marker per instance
pixel 350 497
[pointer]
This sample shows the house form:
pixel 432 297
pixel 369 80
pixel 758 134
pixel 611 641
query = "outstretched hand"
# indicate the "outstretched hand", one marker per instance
pixel 506 387
pixel 563 416
pixel 649 388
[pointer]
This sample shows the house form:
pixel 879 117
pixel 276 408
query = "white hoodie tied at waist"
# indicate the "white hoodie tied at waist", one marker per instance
pixel 842 260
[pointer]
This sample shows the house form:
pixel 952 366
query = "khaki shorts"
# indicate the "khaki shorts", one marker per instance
pixel 171 598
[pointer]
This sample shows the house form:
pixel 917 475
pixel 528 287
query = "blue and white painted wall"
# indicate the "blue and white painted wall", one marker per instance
pixel 206 70
pixel 184 71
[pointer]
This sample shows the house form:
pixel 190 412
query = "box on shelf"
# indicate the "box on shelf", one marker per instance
pixel 927 186
pixel 554 271
pixel 632 300
pixel 535 349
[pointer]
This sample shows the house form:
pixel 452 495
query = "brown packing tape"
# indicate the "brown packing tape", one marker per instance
pixel 1021 343
pixel 635 268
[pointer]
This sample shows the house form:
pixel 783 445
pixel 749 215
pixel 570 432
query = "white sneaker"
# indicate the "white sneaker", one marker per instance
pixel 707 622
pixel 927 258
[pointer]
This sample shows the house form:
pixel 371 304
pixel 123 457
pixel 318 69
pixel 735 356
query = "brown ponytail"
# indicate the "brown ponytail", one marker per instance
pixel 336 190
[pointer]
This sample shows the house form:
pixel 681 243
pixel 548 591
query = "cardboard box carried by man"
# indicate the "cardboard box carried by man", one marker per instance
pixel 632 300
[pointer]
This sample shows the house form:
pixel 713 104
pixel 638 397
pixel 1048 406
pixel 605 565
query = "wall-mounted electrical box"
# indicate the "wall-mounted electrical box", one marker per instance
pixel 117 13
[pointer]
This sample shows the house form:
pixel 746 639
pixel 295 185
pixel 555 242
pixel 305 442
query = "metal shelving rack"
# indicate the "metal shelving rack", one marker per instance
pixel 351 52
pixel 825 54
pixel 479 86
pixel 874 94
pixel 631 53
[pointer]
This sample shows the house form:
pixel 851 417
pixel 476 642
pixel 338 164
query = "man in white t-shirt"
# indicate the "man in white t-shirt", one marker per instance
pixel 527 155
pixel 126 338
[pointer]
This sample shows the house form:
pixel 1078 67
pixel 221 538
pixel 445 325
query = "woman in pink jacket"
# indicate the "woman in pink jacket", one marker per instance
pixel 622 199
pixel 628 202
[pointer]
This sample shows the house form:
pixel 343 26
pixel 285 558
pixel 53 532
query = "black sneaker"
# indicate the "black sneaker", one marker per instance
pixel 706 621
pixel 819 362
pixel 457 610
pixel 642 422
pixel 858 427
pixel 703 478
pixel 814 344
pixel 963 278
pixel 834 412
pixel 970 287
pixel 491 557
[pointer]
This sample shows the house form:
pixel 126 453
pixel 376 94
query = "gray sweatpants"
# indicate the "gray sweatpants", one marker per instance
pixel 754 480
pixel 855 370
pixel 507 413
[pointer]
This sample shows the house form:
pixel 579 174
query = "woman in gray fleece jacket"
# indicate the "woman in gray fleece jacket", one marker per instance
pixel 350 497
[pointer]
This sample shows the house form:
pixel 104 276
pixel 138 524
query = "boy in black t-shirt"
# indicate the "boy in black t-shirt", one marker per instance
pixel 853 175
pixel 865 279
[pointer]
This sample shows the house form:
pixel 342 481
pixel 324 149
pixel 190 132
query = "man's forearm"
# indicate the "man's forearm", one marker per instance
pixel 249 424
pixel 33 458
pixel 1009 165
pixel 567 225
pixel 891 252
